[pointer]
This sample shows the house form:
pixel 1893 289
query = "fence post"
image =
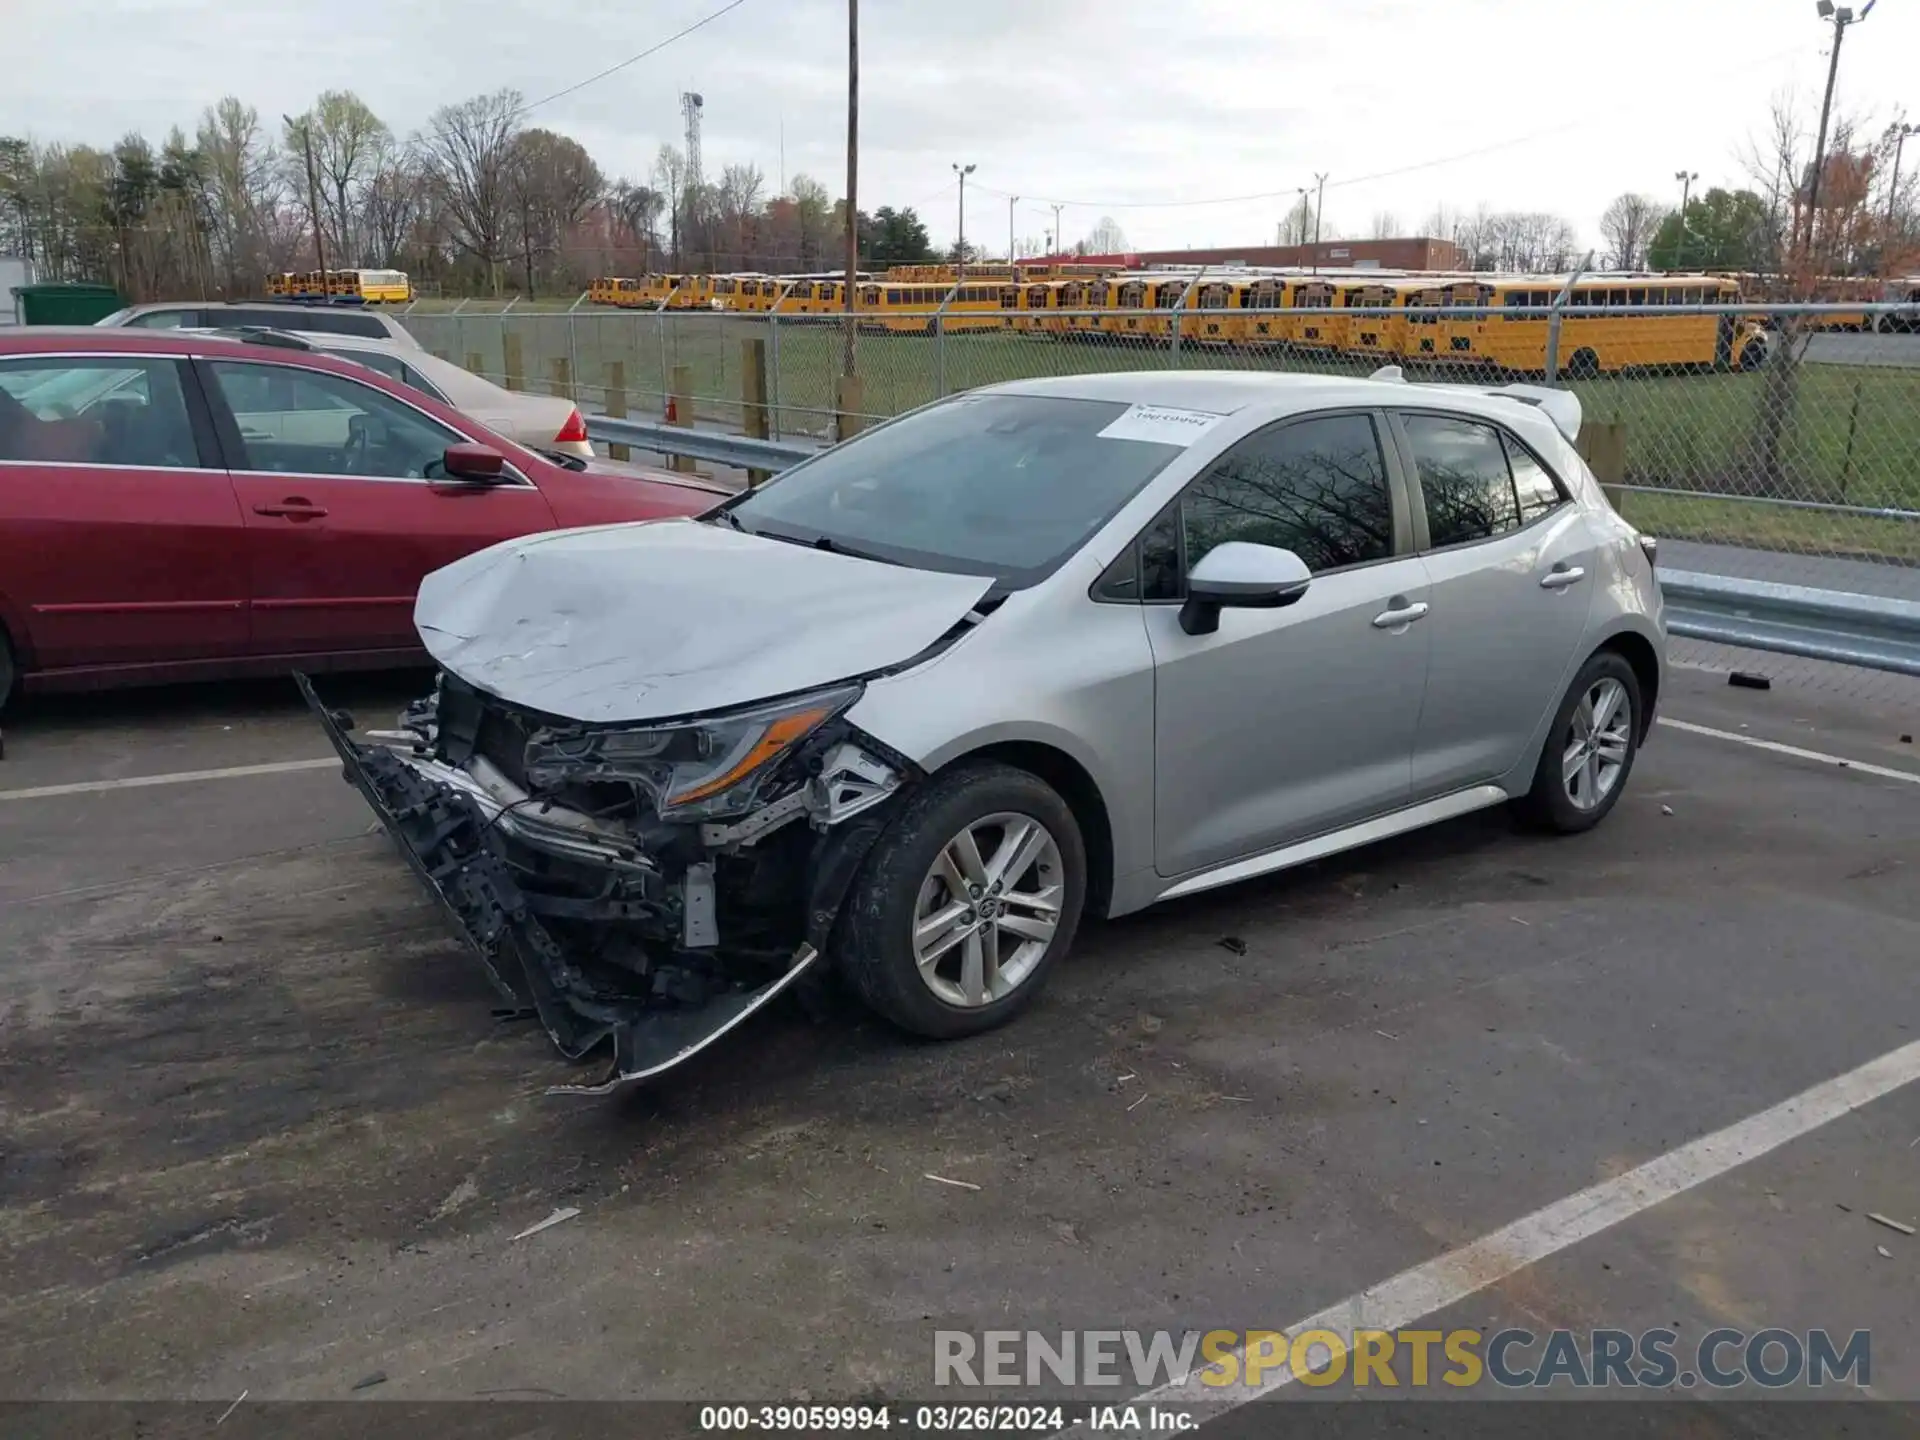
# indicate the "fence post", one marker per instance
pixel 616 404
pixel 939 356
pixel 562 382
pixel 773 378
pixel 511 359
pixel 680 412
pixel 476 362
pixel 1603 445
pixel 660 323
pixel 1179 308
pixel 849 408
pixel 573 348
pixel 1553 320
pixel 753 398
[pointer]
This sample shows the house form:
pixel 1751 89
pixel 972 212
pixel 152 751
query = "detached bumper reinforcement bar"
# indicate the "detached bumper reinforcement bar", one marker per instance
pixel 446 840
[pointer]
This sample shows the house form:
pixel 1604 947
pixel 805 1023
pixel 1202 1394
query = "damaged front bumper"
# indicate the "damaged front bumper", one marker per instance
pixel 573 918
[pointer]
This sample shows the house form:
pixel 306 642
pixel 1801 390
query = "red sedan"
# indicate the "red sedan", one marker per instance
pixel 183 506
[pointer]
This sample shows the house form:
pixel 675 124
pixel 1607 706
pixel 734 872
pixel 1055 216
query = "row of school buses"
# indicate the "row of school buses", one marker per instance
pixel 1615 322
pixel 364 287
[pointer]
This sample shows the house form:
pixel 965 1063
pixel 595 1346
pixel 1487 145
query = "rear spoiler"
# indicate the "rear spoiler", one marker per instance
pixel 1562 407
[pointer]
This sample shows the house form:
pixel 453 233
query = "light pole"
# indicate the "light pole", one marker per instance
pixel 1900 134
pixel 1319 202
pixel 1686 187
pixel 960 249
pixel 1841 18
pixel 1012 200
pixel 1059 235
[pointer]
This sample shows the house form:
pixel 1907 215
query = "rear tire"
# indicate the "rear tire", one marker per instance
pixel 1754 357
pixel 1584 765
pixel 1585 365
pixel 947 941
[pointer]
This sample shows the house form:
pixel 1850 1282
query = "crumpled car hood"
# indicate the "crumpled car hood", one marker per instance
pixel 672 617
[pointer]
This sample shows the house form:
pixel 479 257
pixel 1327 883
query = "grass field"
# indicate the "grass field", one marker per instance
pixel 1852 435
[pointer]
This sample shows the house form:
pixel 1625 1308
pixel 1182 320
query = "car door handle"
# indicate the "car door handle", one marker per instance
pixel 1402 615
pixel 292 508
pixel 1561 576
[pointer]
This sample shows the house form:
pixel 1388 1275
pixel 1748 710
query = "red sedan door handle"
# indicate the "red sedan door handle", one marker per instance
pixel 294 507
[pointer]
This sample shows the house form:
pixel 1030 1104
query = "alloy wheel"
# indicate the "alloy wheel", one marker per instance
pixel 988 909
pixel 1598 741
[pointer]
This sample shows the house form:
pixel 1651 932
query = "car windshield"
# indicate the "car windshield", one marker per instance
pixel 1006 486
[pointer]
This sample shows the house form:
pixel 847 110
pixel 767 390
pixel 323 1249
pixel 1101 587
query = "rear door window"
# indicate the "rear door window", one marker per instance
pixel 95 411
pixel 1464 479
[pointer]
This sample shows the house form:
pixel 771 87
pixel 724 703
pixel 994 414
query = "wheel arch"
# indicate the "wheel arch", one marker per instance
pixel 1074 783
pixel 1638 651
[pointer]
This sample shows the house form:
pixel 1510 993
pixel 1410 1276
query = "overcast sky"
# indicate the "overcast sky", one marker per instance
pixel 1113 106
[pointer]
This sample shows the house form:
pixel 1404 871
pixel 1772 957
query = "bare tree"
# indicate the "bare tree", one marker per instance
pixel 347 136
pixel 1628 227
pixel 392 202
pixel 552 183
pixel 469 150
pixel 1385 226
pixel 669 178
pixel 1107 238
pixel 244 191
pixel 1296 228
pixel 813 218
pixel 739 203
pixel 638 208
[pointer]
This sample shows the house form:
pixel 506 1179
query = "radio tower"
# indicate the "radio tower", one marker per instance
pixel 694 194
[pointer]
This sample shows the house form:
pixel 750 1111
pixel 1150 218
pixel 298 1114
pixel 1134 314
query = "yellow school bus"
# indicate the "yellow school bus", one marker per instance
pixel 1319 326
pixel 1637 337
pixel 1382 337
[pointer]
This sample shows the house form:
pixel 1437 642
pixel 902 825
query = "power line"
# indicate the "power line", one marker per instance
pixel 633 59
pixel 1294 190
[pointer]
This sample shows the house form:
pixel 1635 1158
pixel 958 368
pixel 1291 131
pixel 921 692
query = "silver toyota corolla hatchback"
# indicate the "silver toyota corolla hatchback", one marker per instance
pixel 1041 650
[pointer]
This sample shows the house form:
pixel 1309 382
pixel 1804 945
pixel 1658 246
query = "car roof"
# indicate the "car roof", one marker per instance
pixel 1270 394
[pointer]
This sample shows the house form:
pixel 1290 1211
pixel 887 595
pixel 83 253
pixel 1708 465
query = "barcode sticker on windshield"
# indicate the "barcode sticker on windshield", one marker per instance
pixel 1161 425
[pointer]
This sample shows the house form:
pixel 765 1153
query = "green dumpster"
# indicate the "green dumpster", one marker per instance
pixel 70 304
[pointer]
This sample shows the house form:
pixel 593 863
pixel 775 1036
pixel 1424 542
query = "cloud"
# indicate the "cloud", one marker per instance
pixel 1120 106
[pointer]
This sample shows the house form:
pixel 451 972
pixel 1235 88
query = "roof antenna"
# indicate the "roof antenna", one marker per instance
pixel 1390 374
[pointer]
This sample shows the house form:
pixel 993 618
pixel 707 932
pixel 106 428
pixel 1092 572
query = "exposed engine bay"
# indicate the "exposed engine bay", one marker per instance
pixel 646 886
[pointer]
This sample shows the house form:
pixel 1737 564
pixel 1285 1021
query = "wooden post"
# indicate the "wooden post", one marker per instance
pixel 680 412
pixel 617 404
pixel 476 362
pixel 850 410
pixel 515 364
pixel 753 398
pixel 562 383
pixel 1603 445
pixel 442 355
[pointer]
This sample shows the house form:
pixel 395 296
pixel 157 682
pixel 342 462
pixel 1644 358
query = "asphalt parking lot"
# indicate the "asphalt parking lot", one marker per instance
pixel 260 1133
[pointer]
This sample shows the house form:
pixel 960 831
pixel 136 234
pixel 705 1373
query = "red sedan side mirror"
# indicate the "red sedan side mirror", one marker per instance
pixel 473 462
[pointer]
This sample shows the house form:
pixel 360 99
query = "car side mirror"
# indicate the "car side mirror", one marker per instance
pixel 1244 576
pixel 480 463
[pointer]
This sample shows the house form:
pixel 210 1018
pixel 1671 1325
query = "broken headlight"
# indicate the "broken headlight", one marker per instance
pixel 693 769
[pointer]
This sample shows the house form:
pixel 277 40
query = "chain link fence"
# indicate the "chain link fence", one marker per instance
pixel 1776 443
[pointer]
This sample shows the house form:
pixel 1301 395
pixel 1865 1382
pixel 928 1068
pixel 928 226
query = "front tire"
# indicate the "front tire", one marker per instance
pixel 965 903
pixel 1590 748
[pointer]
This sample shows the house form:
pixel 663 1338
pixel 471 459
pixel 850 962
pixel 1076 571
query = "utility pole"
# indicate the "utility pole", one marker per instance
pixel 853 170
pixel 1319 205
pixel 1841 19
pixel 960 249
pixel 1012 200
pixel 1059 235
pixel 313 196
pixel 1900 134
pixel 1686 188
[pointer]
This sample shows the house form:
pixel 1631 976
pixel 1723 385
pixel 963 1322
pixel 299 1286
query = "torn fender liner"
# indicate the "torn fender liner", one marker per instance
pixel 443 837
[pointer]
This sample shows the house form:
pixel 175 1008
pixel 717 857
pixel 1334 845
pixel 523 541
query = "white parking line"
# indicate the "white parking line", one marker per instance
pixel 178 777
pixel 1460 1274
pixel 1912 777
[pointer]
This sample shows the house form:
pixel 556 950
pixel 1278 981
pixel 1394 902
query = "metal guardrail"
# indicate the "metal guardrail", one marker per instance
pixel 739 452
pixel 1872 631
